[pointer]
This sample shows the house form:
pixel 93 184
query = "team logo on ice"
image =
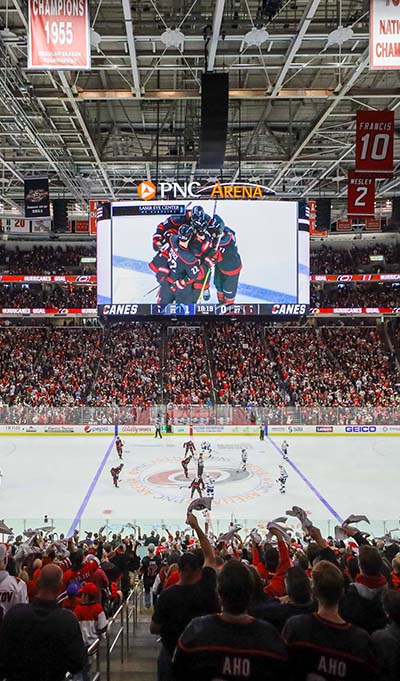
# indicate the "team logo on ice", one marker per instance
pixel 147 190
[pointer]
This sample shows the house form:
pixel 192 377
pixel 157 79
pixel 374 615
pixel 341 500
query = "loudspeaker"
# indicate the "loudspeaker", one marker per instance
pixel 323 214
pixel 214 119
pixel 60 215
pixel 396 210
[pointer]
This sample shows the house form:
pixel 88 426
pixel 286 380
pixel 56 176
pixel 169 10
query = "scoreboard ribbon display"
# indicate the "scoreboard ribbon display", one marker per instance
pixel 360 194
pixel 59 37
pixel 374 143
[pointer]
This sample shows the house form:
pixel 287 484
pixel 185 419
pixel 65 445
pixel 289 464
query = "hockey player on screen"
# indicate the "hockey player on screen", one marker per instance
pixel 194 217
pixel 119 446
pixel 115 473
pixel 228 262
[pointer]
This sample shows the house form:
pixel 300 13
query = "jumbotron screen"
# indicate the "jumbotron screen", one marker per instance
pixel 203 257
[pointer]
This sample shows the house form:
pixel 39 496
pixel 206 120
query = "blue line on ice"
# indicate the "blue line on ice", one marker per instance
pixel 308 483
pixel 91 488
pixel 247 290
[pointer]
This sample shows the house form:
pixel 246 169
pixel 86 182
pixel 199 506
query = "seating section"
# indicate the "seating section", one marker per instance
pixel 187 370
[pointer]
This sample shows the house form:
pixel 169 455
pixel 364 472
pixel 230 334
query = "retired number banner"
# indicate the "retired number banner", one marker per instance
pixel 58 35
pixel 360 194
pixel 374 142
pixel 384 35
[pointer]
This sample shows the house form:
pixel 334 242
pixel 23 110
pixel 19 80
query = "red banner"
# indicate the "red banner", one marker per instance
pixel 374 142
pixel 81 226
pixel 58 35
pixel 51 311
pixel 313 221
pixel 360 194
pixel 92 217
pixel 355 310
pixel 354 277
pixel 48 278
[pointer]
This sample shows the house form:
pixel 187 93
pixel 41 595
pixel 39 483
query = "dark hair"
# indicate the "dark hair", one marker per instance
pixel 370 560
pixel 189 562
pixel 257 591
pixel 271 558
pixel 312 551
pixel 301 561
pixel 391 604
pixel 235 587
pixel 328 583
pixel 298 585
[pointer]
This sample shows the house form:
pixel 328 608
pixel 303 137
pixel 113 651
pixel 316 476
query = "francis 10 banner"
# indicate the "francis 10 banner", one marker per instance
pixel 59 37
pixel 360 194
pixel 374 142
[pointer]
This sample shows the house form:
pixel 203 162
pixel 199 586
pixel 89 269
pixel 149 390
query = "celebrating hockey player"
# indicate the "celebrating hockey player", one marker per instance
pixel 197 485
pixel 283 476
pixel 185 463
pixel 119 446
pixel 115 473
pixel 228 263
pixel 284 448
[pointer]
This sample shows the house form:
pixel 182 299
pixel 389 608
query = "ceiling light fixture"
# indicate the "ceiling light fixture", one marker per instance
pixel 256 37
pixel 339 36
pixel 173 38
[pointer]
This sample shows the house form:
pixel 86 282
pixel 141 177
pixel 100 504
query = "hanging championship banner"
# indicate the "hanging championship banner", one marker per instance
pixel 360 194
pixel 36 193
pixel 384 35
pixel 59 35
pixel 374 142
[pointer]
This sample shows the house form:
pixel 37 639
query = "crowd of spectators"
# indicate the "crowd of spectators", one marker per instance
pixel 54 296
pixel 129 373
pixel 335 366
pixel 276 602
pixel 355 296
pixel 245 368
pixel 187 378
pixel 126 367
pixel 328 260
pixel 46 259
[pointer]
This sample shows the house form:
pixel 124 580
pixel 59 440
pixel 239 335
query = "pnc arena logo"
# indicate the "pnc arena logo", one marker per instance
pixel 147 190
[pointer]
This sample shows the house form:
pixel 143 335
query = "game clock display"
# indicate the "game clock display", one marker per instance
pixel 203 257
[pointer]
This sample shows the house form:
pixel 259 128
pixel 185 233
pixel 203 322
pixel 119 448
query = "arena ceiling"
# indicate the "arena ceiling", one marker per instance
pixel 292 108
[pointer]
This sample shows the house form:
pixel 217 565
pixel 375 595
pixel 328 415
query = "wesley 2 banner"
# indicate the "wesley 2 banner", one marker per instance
pixel 374 142
pixel 36 191
pixel 59 35
pixel 360 194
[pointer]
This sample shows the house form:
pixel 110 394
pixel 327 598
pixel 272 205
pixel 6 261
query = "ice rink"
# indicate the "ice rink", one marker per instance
pixel 68 478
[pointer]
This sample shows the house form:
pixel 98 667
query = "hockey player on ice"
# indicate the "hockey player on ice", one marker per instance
pixel 284 448
pixel 210 484
pixel 115 472
pixel 206 448
pixel 197 485
pixel 283 476
pixel 243 458
pixel 189 448
pixel 185 463
pixel 119 446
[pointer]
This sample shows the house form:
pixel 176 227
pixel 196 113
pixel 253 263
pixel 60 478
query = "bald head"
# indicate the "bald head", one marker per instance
pixel 50 581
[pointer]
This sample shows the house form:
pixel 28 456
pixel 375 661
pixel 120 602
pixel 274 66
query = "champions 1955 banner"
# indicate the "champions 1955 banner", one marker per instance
pixel 58 35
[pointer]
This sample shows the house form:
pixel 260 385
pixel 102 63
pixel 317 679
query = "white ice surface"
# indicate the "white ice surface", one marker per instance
pixel 53 476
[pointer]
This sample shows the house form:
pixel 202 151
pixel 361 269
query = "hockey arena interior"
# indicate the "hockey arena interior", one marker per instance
pixel 199 340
